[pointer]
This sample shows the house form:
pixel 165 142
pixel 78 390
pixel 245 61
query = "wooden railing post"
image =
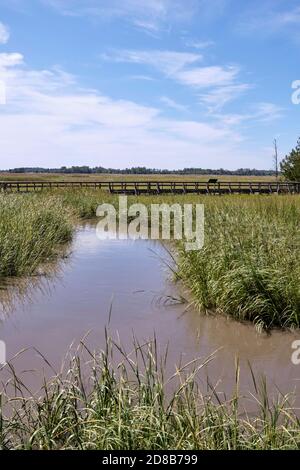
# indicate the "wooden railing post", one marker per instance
pixel 158 187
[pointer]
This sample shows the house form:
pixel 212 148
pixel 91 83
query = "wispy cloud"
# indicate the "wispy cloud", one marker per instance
pixel 203 77
pixel 179 66
pixel 146 78
pixel 150 16
pixel 150 27
pixel 217 97
pixel 271 18
pixel 173 104
pixel 10 59
pixel 220 82
pixel 4 33
pixel 198 44
pixel 267 112
pixel 262 112
pixel 52 121
pixel 167 62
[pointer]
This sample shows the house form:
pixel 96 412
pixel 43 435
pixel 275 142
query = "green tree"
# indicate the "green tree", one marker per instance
pixel 290 165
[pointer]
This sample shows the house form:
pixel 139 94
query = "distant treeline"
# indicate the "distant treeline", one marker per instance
pixel 141 170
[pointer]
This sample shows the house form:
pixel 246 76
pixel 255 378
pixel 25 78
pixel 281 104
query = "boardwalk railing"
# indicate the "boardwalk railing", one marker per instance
pixel 158 187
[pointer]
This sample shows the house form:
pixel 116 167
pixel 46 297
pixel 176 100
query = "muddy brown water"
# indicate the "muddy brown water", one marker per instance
pixel 130 278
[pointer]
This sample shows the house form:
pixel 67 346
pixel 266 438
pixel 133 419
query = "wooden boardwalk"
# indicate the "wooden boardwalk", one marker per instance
pixel 158 187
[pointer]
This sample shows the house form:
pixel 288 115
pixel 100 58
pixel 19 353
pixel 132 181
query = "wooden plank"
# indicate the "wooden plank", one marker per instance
pixel 152 187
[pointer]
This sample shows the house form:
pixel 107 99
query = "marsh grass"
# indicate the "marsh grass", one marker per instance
pixel 125 177
pixel 119 400
pixel 31 228
pixel 249 267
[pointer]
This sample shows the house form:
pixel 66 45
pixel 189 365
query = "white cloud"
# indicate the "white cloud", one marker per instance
pixel 199 131
pixel 10 59
pixel 203 77
pixel 167 62
pixel 4 33
pixel 153 8
pixel 49 120
pixel 149 27
pixel 198 44
pixel 267 19
pixel 173 104
pixel 146 78
pixel 266 112
pixel 217 97
pixel 181 67
pixel 148 15
pixel 260 112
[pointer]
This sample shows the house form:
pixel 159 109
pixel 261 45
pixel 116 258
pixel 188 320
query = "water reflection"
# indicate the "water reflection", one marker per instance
pixel 16 292
pixel 129 279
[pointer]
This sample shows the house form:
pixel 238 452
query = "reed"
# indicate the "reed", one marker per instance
pixel 123 401
pixel 31 228
pixel 249 267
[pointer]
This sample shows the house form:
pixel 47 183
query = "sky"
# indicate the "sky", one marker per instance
pixel 156 83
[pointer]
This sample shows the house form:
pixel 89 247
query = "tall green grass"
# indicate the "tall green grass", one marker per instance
pixel 31 228
pixel 124 401
pixel 249 267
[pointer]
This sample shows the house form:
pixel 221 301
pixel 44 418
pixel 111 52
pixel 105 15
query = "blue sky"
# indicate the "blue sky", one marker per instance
pixel 160 83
